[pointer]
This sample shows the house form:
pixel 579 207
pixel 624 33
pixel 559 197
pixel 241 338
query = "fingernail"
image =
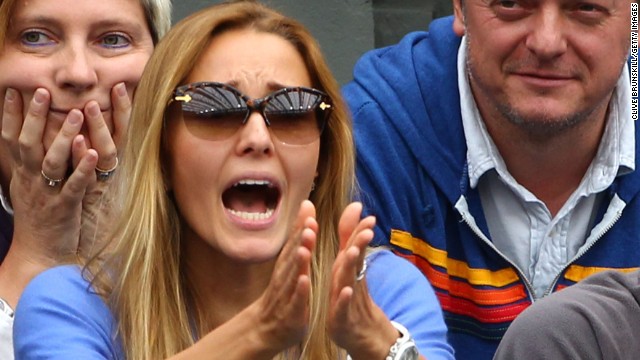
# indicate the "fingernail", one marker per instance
pixel 74 117
pixel 93 109
pixel 10 95
pixel 121 89
pixel 40 96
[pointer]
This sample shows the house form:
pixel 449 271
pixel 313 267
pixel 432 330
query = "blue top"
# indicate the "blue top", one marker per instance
pixel 60 317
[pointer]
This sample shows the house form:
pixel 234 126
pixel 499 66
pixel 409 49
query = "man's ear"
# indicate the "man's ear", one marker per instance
pixel 458 21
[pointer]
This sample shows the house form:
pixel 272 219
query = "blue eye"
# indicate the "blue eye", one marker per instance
pixel 115 41
pixel 35 38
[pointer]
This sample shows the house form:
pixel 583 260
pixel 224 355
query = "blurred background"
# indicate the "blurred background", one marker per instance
pixel 346 29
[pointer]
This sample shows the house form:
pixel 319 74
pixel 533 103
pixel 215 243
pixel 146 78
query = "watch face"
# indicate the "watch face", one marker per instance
pixel 408 352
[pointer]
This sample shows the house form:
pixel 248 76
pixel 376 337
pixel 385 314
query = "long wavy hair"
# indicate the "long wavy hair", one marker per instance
pixel 144 279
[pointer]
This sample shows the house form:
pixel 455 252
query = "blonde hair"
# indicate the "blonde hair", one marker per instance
pixel 148 292
pixel 157 14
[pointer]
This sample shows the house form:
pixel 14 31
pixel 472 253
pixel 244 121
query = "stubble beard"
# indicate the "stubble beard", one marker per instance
pixel 541 125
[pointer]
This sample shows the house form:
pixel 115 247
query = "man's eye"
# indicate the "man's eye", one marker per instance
pixel 508 4
pixel 35 38
pixel 115 41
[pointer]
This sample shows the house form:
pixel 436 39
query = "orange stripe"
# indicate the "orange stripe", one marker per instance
pixel 576 273
pixel 457 268
pixel 464 290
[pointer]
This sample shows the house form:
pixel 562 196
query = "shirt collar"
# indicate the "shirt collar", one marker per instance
pixel 616 158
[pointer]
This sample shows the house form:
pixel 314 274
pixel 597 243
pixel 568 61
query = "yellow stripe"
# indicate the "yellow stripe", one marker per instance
pixel 455 268
pixel 576 273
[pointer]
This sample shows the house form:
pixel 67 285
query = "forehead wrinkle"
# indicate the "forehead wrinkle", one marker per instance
pixel 255 80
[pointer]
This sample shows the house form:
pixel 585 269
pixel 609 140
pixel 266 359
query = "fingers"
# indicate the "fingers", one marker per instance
pixel 349 262
pixel 284 306
pixel 12 119
pixel 30 138
pixel 100 136
pixel 56 160
pixel 348 221
pixel 106 136
pixel 121 104
pixel 78 149
pixel 83 175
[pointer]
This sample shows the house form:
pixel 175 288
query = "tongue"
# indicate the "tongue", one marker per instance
pixel 247 199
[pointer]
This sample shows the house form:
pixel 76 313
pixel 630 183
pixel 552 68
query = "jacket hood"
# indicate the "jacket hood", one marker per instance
pixel 415 84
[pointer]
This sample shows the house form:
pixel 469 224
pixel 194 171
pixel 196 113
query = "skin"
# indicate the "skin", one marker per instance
pixel 542 73
pixel 256 273
pixel 75 65
pixel 199 178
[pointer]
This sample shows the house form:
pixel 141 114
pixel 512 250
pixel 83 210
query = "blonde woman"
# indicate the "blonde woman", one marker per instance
pixel 69 70
pixel 239 141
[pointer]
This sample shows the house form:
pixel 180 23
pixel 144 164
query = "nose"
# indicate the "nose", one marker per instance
pixel 76 72
pixel 547 38
pixel 255 137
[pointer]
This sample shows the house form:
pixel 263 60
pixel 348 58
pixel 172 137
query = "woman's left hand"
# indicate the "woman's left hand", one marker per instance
pixel 355 322
pixel 106 139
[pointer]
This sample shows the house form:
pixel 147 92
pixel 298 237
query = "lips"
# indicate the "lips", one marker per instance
pixel 252 199
pixel 65 111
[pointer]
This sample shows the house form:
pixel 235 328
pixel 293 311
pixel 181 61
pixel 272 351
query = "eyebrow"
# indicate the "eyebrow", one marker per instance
pixel 47 21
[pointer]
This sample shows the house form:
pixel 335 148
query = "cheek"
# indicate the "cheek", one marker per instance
pixel 301 165
pixel 194 164
pixel 127 70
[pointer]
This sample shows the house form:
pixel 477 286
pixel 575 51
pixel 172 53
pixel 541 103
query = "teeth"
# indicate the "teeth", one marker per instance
pixel 252 182
pixel 252 216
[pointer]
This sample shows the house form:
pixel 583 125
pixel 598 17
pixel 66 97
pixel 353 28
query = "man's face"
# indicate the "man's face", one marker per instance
pixel 544 64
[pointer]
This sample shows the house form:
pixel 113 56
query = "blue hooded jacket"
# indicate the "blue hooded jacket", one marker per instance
pixel 412 171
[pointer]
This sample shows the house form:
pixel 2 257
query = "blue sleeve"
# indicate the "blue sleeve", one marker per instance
pixel 59 316
pixel 405 296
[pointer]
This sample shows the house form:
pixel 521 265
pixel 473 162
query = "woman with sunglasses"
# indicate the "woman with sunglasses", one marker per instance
pixel 233 242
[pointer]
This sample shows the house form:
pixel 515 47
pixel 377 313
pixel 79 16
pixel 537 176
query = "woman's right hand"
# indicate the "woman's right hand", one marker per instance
pixel 279 318
pixel 282 311
pixel 46 218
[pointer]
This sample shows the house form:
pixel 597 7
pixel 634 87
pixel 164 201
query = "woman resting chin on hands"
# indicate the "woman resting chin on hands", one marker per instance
pixel 70 69
pixel 232 242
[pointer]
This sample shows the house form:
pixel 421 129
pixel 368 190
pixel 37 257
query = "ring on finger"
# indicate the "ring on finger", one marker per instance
pixel 49 180
pixel 362 271
pixel 104 175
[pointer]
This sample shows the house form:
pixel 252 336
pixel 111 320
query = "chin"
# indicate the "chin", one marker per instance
pixel 255 251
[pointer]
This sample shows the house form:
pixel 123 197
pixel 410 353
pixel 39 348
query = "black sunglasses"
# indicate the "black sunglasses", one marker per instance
pixel 215 111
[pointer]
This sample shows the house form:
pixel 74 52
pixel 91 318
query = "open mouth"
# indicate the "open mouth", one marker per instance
pixel 251 199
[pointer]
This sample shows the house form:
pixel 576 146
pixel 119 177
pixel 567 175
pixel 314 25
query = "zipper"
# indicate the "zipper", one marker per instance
pixel 600 234
pixel 474 228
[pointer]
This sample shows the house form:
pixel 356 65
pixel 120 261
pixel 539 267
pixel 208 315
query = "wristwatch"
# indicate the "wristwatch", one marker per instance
pixel 405 347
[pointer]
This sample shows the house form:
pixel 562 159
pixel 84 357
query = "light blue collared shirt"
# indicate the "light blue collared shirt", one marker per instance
pixel 520 225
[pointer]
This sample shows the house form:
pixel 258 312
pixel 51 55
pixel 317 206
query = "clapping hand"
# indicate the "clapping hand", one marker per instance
pixel 355 322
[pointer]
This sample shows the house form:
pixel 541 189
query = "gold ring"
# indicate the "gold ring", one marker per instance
pixel 50 181
pixel 104 175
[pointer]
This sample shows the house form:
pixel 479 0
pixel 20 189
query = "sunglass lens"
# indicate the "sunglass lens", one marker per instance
pixel 214 112
pixel 292 116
